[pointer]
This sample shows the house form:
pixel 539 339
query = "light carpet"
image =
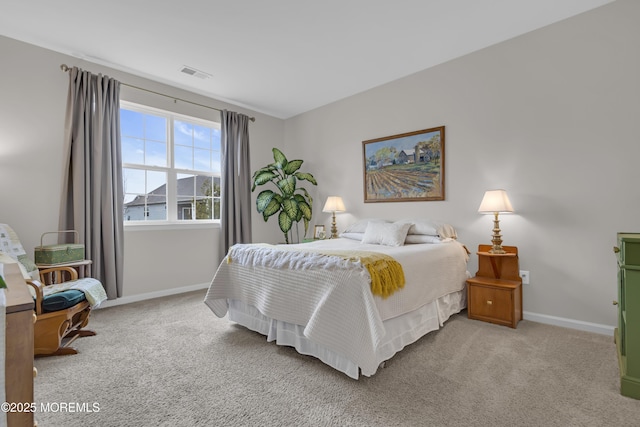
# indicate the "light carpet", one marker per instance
pixel 171 362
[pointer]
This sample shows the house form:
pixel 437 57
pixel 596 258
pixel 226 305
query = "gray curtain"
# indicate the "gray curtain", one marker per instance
pixel 235 191
pixel 92 195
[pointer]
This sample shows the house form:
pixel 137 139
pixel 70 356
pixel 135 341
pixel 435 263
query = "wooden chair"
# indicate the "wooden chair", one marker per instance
pixel 60 317
pixel 54 331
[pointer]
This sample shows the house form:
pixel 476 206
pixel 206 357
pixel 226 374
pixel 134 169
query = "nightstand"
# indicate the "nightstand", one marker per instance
pixel 494 294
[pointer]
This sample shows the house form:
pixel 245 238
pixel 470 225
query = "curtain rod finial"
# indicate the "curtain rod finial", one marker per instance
pixel 64 67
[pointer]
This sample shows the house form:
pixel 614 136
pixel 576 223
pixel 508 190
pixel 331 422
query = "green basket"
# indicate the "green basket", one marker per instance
pixel 60 253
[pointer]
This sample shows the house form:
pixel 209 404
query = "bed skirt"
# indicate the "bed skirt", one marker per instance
pixel 400 331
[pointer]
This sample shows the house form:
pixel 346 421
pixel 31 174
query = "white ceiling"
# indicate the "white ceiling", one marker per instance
pixel 279 57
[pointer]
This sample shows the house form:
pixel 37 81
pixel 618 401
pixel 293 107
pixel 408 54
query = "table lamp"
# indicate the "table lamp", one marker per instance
pixel 495 202
pixel 334 204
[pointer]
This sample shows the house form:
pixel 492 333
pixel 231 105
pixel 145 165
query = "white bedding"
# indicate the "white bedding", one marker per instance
pixel 400 331
pixel 326 295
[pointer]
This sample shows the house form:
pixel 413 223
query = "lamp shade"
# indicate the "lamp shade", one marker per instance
pixel 333 204
pixel 495 201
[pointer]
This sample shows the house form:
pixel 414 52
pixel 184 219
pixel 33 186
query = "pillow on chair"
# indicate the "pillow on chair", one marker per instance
pixel 11 246
pixel 62 300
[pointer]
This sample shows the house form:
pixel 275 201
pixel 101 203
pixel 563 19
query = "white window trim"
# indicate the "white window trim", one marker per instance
pixel 172 221
pixel 166 226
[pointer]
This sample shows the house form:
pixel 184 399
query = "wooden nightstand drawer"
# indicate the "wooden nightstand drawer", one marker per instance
pixel 495 301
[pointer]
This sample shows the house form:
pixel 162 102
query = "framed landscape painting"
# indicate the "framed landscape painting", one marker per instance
pixel 404 168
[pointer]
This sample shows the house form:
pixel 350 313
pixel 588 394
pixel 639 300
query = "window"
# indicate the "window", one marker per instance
pixel 170 166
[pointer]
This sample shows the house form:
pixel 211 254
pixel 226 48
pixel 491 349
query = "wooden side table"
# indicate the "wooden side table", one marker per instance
pixel 494 294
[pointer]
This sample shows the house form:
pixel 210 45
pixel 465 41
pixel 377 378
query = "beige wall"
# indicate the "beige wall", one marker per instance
pixel 551 116
pixel 33 96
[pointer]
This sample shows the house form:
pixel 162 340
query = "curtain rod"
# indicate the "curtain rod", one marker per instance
pixel 65 68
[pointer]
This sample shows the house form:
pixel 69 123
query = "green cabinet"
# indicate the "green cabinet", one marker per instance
pixel 627 335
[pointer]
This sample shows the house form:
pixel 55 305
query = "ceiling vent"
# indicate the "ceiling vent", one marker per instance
pixel 195 73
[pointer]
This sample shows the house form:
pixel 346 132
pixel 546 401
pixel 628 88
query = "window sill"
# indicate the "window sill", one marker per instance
pixel 165 226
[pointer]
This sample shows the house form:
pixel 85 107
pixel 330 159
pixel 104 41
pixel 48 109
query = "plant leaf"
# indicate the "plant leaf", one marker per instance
pixel 287 185
pixel 292 166
pixel 307 177
pixel 308 196
pixel 305 209
pixel 264 199
pixel 281 159
pixel 285 222
pixel 264 169
pixel 272 208
pixel 262 178
pixel 290 207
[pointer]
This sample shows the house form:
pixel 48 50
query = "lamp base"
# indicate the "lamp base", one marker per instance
pixel 334 228
pixel 497 238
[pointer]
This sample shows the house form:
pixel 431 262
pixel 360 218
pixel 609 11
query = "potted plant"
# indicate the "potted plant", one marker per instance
pixel 292 204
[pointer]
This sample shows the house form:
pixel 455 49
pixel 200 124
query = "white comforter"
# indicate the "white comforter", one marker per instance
pixel 332 297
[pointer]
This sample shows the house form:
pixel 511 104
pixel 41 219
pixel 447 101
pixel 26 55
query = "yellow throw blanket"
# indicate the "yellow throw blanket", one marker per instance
pixel 387 275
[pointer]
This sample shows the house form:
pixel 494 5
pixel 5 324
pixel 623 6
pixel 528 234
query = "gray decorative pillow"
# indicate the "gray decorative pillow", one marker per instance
pixel 430 227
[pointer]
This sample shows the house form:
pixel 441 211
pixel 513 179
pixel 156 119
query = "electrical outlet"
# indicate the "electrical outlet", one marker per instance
pixel 525 277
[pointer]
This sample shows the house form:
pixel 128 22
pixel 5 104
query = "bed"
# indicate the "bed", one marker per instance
pixel 319 297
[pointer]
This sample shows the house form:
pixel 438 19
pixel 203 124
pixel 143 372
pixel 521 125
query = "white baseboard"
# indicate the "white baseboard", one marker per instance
pixel 151 295
pixel 569 323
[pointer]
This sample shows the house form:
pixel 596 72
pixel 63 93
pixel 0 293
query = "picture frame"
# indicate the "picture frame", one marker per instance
pixel 319 232
pixel 406 167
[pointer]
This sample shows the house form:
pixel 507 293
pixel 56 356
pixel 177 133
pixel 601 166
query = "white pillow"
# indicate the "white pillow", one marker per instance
pixel 381 233
pixel 430 227
pixel 353 236
pixel 361 225
pixel 422 238
pixel 8 259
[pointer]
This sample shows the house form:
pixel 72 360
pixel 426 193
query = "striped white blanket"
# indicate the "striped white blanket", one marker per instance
pixel 335 303
pixel 329 296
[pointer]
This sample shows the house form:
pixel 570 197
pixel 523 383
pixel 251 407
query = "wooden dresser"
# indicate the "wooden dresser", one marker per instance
pixel 494 294
pixel 19 369
pixel 627 334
